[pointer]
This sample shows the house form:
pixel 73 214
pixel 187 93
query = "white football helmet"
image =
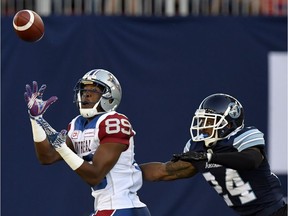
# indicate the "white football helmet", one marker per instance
pixel 221 115
pixel 111 94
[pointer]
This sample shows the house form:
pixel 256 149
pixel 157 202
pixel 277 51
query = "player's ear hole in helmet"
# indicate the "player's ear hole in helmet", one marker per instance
pixel 221 115
pixel 110 90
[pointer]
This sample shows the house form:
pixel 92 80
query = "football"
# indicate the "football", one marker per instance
pixel 28 25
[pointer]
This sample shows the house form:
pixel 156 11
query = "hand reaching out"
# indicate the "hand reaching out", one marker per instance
pixel 55 138
pixel 197 159
pixel 60 139
pixel 33 97
pixel 192 156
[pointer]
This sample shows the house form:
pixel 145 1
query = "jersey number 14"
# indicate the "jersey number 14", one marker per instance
pixel 234 185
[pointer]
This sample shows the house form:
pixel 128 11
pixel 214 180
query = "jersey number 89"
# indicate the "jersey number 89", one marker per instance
pixel 115 125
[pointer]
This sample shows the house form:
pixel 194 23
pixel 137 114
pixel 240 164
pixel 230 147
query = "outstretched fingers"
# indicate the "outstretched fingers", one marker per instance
pixel 33 97
pixel 51 100
pixel 28 90
pixel 41 91
pixel 35 87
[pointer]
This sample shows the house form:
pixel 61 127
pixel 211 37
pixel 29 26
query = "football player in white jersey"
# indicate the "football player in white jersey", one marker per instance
pixel 99 145
pixel 231 158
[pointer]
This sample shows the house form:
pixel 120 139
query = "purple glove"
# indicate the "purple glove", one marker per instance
pixel 36 105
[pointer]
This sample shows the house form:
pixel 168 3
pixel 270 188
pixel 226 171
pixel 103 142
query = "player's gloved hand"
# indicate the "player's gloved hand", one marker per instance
pixel 33 97
pixel 175 157
pixel 60 139
pixel 197 159
pixel 52 134
pixel 192 156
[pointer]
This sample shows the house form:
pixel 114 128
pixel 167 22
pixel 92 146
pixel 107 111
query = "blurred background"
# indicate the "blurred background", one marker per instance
pixel 148 7
pixel 168 55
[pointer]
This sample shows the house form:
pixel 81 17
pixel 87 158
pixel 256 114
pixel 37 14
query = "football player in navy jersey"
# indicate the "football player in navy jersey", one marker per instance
pixel 99 145
pixel 231 158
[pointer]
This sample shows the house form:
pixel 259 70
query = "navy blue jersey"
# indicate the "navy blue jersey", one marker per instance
pixel 248 192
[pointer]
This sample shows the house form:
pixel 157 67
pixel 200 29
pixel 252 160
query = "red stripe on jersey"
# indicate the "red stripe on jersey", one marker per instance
pixel 115 128
pixel 69 127
pixel 105 213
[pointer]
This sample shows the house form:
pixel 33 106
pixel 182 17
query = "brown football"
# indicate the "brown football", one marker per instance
pixel 28 25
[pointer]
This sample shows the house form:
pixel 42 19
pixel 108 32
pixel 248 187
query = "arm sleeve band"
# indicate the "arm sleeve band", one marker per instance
pixel 72 159
pixel 37 131
pixel 246 160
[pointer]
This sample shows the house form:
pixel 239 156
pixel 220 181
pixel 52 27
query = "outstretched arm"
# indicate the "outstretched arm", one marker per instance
pixel 247 159
pixel 45 153
pixel 157 171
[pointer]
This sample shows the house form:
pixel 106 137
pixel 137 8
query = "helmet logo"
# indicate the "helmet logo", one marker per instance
pixel 235 110
pixel 113 80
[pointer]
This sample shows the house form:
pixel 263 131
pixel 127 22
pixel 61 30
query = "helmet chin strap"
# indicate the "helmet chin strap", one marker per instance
pixel 212 141
pixel 89 112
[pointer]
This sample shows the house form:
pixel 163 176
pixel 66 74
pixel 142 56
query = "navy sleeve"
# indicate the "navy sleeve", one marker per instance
pixel 246 160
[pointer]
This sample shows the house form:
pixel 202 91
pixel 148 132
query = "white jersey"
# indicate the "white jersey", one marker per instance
pixel 119 188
